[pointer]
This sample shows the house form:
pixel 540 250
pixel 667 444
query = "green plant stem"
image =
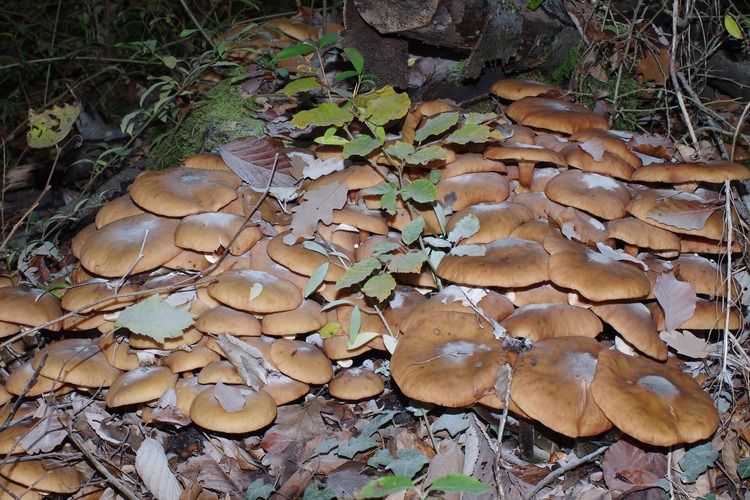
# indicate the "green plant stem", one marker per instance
pixel 197 24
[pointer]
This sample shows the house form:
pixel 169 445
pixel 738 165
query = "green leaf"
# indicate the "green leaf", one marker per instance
pixel 315 492
pixel 473 133
pixel 436 125
pixel 385 248
pixel 410 263
pixel 361 146
pixel 380 458
pixel 466 227
pixel 743 469
pixel 380 420
pixel 169 61
pixel 385 486
pixel 325 115
pixel 301 85
pixel 355 323
pixel 330 138
pixel 696 461
pixel 413 230
pixel 439 214
pixel 400 150
pixel 408 463
pixel 315 247
pixel 344 75
pixel 382 106
pixel 362 339
pixel 469 250
pixel 329 330
pixel 478 118
pixel 434 175
pixel 299 49
pixel 358 273
pixel 732 27
pixel 533 4
pixel 379 287
pixel 328 39
pixel 458 483
pixel 423 156
pixel 50 126
pixel 316 279
pixel 356 445
pixel 259 490
pixel 155 318
pixel 452 423
pixel 355 58
pixel 421 191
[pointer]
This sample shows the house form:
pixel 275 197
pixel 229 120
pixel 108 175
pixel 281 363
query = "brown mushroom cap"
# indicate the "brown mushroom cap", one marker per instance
pixel 708 315
pixel 468 163
pixel 20 377
pixel 234 288
pixel 177 192
pixel 354 384
pixel 140 385
pixel 634 323
pixel 77 362
pixel 543 321
pixel 651 201
pixel 636 232
pixel 116 209
pixel 207 232
pixel 258 411
pixel 260 261
pixel 652 402
pixel 553 114
pixel 301 361
pixel 223 319
pixel 302 260
pixel 593 275
pixel 112 250
pixel 220 371
pixel 305 318
pixel 612 142
pixel 447 343
pixel 469 189
pixel 609 164
pixel 677 173
pixel 83 294
pixel 43 475
pixel 596 194
pixel 28 306
pixel 552 384
pixel 184 361
pixel 188 337
pixel 496 220
pixel 706 277
pixel 284 389
pixel 516 88
pixel 507 263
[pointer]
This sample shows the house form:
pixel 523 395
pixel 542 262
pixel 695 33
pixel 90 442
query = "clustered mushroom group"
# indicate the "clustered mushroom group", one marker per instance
pixel 568 221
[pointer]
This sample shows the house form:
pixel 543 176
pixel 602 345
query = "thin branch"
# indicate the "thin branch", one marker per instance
pixel 565 467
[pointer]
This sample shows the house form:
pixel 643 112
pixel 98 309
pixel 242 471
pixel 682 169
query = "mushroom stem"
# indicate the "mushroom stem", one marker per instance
pixel 526 440
pixel 631 249
pixel 525 173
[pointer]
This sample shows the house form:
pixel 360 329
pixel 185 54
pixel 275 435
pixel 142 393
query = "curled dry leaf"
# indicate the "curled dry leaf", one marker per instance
pixel 680 213
pixel 252 159
pixel 248 360
pixel 153 468
pixel 676 298
pixel 230 398
pixel 318 206
pixel 687 344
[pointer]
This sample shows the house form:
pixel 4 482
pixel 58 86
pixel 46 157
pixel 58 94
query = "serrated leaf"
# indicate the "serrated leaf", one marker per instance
pixel 361 146
pixel 400 150
pixel 687 344
pixel 474 133
pixel 732 27
pixel 676 298
pixel 291 51
pixel 696 461
pixel 155 318
pixel 354 57
pixel 743 469
pixel 382 106
pixel 379 287
pixel 413 230
pixel 50 126
pixel 301 85
pixel 319 168
pixel 325 115
pixel 464 228
pixel 410 263
pixel 252 159
pixel 436 125
pixel 421 191
pixel 259 490
pixel 318 206
pixel 315 280
pixel 423 156
pixel 355 323
pixel 358 273
pixel 385 486
pixel 458 483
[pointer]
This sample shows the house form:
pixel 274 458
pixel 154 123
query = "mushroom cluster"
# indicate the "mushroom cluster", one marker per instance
pixel 575 231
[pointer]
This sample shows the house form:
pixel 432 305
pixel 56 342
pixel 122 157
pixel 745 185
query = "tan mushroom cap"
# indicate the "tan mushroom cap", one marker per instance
pixel 638 233
pixel 83 294
pixel 543 321
pixel 44 475
pixel 258 411
pixel 652 201
pixel 581 226
pixel 79 239
pixel 522 152
pixel 187 389
pixel 207 232
pixel 356 177
pixel 353 384
pixel 544 293
pixel 28 306
pixel 516 88
pixel 118 352
pixel 596 194
pixel 706 276
pixel 469 189
pixel 553 114
pixel 112 250
pixel 301 361
pixel 305 318
pixel 8 329
pixel 612 142
pixel 552 384
pixel 77 362
pixel 652 402
pixel 609 164
pixel 260 261
pixel 593 275
pixel 12 434
pixel 468 163
pixel 234 289
pixel 541 206
pixel 177 192
pixel 698 244
pixel 496 220
pixel 507 263
pixel 116 209
pixel 633 321
pixel 205 161
pixel 302 260
pixel 223 319
pixel 535 230
pixel 708 315
pixel 19 491
pixel 184 361
pixel 284 389
pixel 447 343
pixel 20 377
pixel 220 371
pixel 140 385
pixel 677 173
pixel 361 218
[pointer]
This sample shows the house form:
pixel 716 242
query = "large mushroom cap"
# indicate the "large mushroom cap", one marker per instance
pixel 516 88
pixel 652 402
pixel 43 475
pixel 634 323
pixel 140 385
pixel 677 173
pixel 543 321
pixel 77 362
pixel 552 384
pixel 553 114
pixel 22 305
pixel 207 232
pixel 596 194
pixel 237 288
pixel 258 411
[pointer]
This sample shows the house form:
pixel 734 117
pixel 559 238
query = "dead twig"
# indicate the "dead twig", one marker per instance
pixel 565 466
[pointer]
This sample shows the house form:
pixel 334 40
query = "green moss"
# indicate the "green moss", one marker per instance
pixel 222 116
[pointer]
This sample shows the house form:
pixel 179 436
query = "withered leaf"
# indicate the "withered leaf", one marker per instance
pixel 676 298
pixel 652 145
pixel 318 206
pixel 230 398
pixel 681 213
pixel 252 159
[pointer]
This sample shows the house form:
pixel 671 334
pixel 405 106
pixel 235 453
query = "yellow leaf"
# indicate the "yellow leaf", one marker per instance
pixel 732 27
pixel 50 126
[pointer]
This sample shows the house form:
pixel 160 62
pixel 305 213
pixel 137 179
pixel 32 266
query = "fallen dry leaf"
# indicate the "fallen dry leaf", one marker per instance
pixel 676 298
pixel 681 213
pixel 318 206
pixel 153 468
pixel 252 159
pixel 687 344
pixel 628 469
